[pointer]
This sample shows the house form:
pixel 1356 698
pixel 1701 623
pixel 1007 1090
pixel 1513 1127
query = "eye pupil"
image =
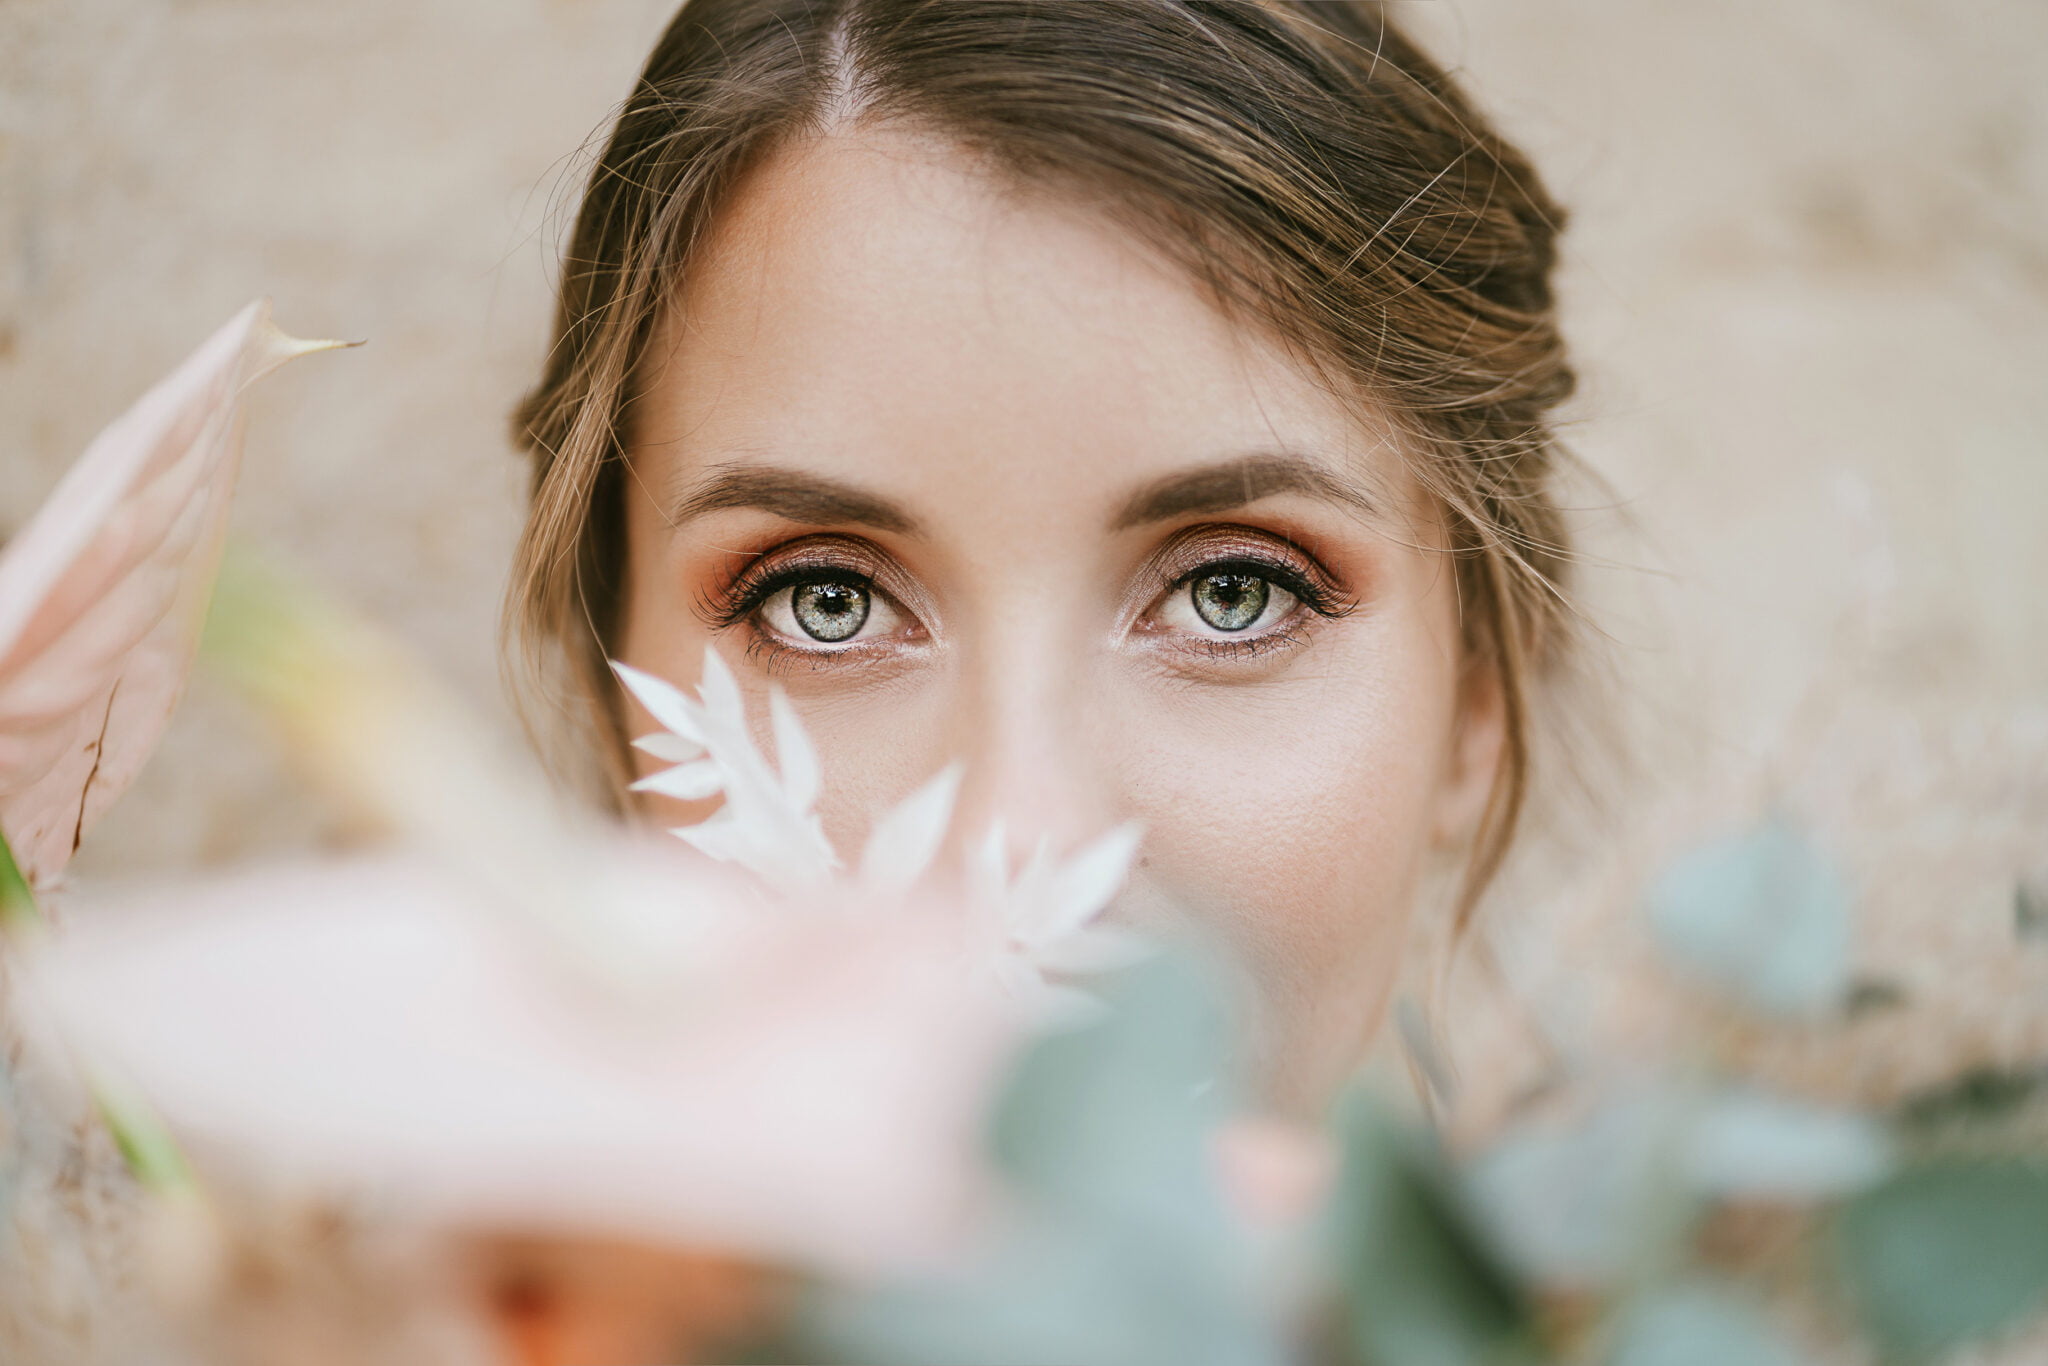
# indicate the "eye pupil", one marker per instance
pixel 829 611
pixel 1229 602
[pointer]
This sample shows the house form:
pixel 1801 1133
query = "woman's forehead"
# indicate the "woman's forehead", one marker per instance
pixel 877 302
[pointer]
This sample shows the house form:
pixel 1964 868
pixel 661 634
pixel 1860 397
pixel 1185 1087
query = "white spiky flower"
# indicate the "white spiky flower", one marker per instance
pixel 1042 924
pixel 1032 929
pixel 768 823
pixel 904 843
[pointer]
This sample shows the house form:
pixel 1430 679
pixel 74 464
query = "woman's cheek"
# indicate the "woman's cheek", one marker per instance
pixel 875 747
pixel 1294 820
pixel 1309 831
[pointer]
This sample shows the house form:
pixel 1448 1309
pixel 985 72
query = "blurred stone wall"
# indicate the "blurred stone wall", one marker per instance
pixel 1808 278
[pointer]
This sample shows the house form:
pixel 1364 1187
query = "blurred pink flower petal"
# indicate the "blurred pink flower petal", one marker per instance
pixel 804 1088
pixel 103 593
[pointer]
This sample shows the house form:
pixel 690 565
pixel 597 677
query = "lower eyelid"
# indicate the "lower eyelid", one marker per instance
pixel 1294 631
pixel 1206 649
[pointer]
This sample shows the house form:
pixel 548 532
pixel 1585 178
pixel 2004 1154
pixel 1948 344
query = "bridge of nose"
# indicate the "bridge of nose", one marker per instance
pixel 1028 712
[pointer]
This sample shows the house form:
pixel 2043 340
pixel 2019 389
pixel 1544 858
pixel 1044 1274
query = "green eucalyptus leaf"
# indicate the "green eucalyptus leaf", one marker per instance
pixel 1562 1202
pixel 1750 1144
pixel 1947 1252
pixel 1121 1251
pixel 1423 1286
pixel 1698 1324
pixel 1763 916
pixel 1117 1116
pixel 1981 1096
pixel 1594 1202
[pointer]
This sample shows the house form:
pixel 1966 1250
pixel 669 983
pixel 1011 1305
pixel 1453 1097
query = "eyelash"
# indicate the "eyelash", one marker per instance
pixel 764 576
pixel 1318 597
pixel 754 585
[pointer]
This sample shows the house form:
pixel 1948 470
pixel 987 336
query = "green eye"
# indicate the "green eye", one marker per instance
pixel 829 611
pixel 1230 602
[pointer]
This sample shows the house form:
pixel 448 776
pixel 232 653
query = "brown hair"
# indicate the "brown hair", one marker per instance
pixel 1302 158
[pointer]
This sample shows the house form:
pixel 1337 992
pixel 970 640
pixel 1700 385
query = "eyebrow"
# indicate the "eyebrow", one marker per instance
pixel 793 494
pixel 1234 483
pixel 803 497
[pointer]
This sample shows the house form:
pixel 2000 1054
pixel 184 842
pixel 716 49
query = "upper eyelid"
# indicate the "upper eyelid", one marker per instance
pixel 1199 544
pixel 1209 564
pixel 848 553
pixel 1324 598
pixel 763 573
pixel 1186 554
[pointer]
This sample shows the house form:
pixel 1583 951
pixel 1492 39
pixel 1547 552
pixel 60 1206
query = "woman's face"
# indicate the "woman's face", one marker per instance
pixel 975 475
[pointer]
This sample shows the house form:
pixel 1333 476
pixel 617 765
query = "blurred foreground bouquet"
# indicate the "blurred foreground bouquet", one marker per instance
pixel 520 1086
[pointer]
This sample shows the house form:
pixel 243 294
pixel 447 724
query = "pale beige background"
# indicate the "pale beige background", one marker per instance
pixel 1808 279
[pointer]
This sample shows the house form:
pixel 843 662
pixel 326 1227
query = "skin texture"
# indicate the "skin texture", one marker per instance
pixel 1024 428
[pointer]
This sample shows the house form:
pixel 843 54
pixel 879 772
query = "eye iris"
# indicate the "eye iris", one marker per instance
pixel 830 611
pixel 1229 602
